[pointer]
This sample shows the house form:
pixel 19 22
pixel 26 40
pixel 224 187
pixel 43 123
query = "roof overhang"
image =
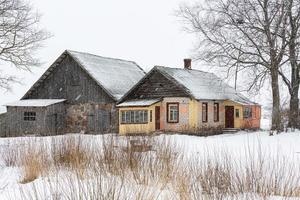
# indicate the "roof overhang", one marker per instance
pixel 35 102
pixel 139 103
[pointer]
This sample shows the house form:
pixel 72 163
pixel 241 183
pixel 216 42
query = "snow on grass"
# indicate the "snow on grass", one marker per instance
pixel 99 164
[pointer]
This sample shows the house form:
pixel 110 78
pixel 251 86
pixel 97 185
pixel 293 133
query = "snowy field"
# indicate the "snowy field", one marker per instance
pixel 182 161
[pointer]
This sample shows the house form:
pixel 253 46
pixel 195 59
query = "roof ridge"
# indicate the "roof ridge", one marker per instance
pixel 177 68
pixel 105 57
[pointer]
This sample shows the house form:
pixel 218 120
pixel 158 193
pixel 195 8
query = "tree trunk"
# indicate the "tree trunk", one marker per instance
pixel 294 111
pixel 294 101
pixel 294 85
pixel 276 117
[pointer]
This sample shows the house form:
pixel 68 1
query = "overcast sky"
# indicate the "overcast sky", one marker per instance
pixel 146 32
pixel 143 31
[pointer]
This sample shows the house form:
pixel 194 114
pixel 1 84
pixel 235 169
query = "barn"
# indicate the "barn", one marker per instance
pixel 77 93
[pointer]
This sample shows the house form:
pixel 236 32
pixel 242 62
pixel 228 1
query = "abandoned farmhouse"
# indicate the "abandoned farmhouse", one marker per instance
pixel 81 92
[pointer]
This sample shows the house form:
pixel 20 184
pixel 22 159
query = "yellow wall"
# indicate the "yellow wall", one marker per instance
pixel 138 128
pixel 238 122
pixel 193 114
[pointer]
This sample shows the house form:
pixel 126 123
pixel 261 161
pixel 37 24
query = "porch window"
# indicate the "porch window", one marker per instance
pixel 172 112
pixel 216 112
pixel 247 112
pixel 237 113
pixel 29 116
pixel 134 117
pixel 204 112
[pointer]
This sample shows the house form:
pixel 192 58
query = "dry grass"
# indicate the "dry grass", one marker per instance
pixel 34 163
pixel 151 168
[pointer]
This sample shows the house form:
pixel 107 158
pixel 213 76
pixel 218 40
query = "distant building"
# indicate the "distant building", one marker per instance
pixel 77 93
pixel 185 100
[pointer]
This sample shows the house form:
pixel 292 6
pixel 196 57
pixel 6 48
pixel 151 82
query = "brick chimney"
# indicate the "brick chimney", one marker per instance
pixel 187 63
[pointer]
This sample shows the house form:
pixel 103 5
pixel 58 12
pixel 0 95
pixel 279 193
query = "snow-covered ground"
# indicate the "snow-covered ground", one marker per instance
pixel 236 145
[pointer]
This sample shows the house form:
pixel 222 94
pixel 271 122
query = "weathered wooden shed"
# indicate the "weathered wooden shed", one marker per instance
pixel 2 124
pixel 35 117
pixel 91 84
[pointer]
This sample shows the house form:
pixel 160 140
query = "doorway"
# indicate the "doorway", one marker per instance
pixel 229 116
pixel 157 117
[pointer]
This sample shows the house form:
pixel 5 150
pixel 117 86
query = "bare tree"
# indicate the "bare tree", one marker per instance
pixel 20 37
pixel 293 40
pixel 247 33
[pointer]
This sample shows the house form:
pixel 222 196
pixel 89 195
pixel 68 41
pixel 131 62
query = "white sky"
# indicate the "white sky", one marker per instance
pixel 146 32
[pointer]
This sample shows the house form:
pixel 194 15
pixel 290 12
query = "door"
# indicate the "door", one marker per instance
pixel 91 123
pixel 229 117
pixel 157 117
pixel 104 118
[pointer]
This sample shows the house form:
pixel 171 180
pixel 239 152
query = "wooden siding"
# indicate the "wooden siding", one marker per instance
pixel 156 85
pixel 89 107
pixel 3 125
pixel 69 81
pixel 147 128
pixel 49 120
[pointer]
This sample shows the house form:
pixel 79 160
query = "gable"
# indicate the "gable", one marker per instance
pixel 67 80
pixel 156 85
pixel 116 76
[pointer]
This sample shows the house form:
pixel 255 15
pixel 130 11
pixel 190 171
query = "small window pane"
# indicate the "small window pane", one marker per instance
pixel 127 115
pixel 29 116
pixel 134 117
pixel 237 113
pixel 204 112
pixel 216 112
pixel 247 112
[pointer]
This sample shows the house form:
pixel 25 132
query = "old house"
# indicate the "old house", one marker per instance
pixel 77 93
pixel 185 100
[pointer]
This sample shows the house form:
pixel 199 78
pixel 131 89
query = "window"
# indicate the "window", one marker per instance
pixel 237 113
pixel 247 112
pixel 29 116
pixel 150 115
pixel 172 112
pixel 216 112
pixel 134 117
pixel 204 112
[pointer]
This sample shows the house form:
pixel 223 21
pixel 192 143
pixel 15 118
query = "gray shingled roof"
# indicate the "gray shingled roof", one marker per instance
pixel 203 85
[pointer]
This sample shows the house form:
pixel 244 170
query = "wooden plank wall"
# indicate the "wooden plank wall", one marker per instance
pixel 44 124
pixel 156 85
pixel 69 81
pixel 3 125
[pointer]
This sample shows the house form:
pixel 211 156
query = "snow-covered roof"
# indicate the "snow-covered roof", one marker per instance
pixel 114 75
pixel 35 102
pixel 203 85
pixel 134 103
